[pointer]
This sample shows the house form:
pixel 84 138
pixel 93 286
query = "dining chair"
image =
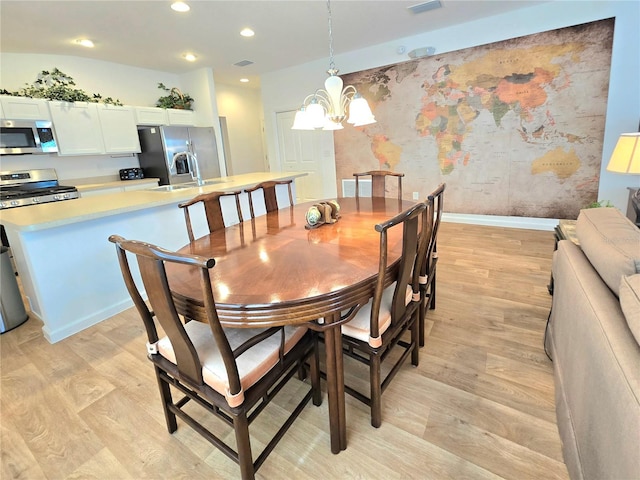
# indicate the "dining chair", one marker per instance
pixel 378 181
pixel 212 209
pixel 380 325
pixel 430 261
pixel 269 192
pixel 232 373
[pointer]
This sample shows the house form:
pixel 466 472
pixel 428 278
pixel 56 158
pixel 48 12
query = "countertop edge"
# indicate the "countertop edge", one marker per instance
pixel 56 214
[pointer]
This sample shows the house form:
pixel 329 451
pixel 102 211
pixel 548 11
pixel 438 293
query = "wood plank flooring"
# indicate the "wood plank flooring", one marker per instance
pixel 480 405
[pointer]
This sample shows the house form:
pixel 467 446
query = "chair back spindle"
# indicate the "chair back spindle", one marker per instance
pixel 269 195
pixel 213 210
pixel 378 182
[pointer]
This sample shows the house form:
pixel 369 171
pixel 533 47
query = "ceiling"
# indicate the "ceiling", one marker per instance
pixel 148 34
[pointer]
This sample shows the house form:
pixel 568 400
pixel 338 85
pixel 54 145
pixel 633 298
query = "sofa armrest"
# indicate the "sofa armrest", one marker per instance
pixel 611 242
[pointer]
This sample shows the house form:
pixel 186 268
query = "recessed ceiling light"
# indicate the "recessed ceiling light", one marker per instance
pixel 244 80
pixel 85 42
pixel 190 57
pixel 180 7
pixel 247 32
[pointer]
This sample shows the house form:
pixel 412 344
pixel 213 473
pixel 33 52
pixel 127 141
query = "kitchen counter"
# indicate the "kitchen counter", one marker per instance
pixel 55 214
pixel 68 268
pixel 100 183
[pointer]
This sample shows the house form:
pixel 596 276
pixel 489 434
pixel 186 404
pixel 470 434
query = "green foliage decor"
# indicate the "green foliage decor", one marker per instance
pixel 174 98
pixel 57 85
pixel 601 203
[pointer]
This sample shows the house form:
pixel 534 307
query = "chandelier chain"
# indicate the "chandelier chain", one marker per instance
pixel 332 65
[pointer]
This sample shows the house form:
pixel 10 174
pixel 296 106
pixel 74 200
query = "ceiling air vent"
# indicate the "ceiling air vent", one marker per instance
pixel 243 63
pixel 425 6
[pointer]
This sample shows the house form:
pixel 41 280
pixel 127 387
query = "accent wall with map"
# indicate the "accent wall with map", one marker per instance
pixel 514 128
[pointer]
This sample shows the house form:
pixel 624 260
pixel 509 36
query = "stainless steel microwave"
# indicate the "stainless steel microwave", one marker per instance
pixel 19 137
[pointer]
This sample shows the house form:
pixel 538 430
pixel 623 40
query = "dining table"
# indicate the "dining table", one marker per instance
pixel 273 270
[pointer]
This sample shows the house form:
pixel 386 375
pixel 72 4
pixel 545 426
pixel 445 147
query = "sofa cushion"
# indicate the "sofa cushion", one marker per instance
pixel 630 303
pixel 611 242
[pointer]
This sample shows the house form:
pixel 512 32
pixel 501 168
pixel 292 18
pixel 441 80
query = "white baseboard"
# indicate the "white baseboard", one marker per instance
pixel 529 223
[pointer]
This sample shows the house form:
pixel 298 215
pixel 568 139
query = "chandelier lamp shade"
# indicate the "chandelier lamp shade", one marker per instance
pixel 328 107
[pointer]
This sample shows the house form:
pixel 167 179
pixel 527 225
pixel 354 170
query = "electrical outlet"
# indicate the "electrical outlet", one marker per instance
pixel 416 196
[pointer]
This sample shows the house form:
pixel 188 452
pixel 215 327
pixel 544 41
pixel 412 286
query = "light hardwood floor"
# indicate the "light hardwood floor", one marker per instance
pixel 480 405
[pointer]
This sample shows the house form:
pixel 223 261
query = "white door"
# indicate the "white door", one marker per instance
pixel 310 152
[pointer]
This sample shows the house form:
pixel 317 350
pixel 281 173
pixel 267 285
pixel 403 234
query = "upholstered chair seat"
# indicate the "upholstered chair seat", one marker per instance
pixel 360 326
pixel 252 364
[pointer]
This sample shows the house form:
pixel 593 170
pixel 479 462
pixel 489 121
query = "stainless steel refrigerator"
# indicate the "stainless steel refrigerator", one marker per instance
pixel 161 144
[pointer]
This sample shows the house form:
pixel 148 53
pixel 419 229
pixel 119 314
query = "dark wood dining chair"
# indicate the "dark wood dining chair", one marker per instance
pixel 430 262
pixel 232 373
pixel 269 192
pixel 212 209
pixel 380 325
pixel 378 182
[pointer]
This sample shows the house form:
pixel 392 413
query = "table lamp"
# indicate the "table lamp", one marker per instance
pixel 626 156
pixel 626 159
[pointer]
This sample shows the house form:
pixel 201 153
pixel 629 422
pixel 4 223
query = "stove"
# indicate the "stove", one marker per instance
pixel 20 188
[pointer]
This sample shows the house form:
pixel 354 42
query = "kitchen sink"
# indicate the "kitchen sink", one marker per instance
pixel 205 183
pixel 183 186
pixel 170 188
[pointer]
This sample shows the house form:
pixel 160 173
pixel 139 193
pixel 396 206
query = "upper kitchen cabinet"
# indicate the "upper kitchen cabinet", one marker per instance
pixel 181 117
pixel 77 127
pixel 151 116
pixel 23 108
pixel 119 130
pixel 164 116
pixel 88 128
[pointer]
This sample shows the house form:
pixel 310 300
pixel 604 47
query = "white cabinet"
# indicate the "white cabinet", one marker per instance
pixel 88 128
pixel 181 117
pixel 23 108
pixel 77 127
pixel 151 116
pixel 164 116
pixel 119 130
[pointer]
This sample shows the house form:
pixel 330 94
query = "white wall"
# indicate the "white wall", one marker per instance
pixel 242 108
pixel 131 85
pixel 285 89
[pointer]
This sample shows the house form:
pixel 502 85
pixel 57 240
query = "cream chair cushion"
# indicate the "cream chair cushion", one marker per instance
pixel 360 326
pixel 252 364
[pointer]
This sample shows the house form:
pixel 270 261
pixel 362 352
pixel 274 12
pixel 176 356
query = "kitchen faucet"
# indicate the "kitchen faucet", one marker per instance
pixel 194 168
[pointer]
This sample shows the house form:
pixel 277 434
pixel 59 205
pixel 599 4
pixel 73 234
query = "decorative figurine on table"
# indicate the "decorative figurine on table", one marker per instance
pixel 322 213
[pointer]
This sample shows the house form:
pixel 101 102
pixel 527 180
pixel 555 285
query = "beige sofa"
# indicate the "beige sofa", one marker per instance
pixel 593 338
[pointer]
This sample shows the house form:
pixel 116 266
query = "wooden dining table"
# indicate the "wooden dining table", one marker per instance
pixel 271 270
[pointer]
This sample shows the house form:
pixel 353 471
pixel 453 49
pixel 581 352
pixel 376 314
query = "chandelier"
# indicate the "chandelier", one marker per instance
pixel 327 107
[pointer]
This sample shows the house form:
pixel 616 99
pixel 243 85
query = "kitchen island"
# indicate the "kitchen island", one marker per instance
pixel 69 270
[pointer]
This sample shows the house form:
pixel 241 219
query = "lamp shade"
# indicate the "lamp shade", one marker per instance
pixel 626 156
pixel 315 114
pixel 360 112
pixel 301 121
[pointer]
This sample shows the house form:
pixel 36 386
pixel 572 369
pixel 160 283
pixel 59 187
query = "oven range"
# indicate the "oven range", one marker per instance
pixel 20 188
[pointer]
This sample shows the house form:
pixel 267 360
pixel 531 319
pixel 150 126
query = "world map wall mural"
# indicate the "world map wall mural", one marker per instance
pixel 514 128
